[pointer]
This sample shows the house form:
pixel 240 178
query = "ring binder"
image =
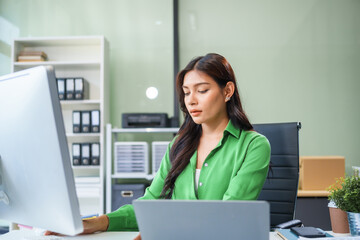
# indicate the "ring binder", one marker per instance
pixel 81 88
pixel 85 154
pixel 70 88
pixel 76 121
pixel 61 88
pixel 95 121
pixel 95 154
pixel 76 152
pixel 85 121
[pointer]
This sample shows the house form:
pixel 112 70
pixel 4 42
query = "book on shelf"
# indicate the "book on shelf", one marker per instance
pixel 31 59
pixel 27 56
pixel 33 53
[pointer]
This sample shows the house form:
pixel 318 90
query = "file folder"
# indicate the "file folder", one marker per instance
pixel 70 88
pixel 61 88
pixel 81 89
pixel 76 154
pixel 95 121
pixel 85 121
pixel 95 154
pixel 85 154
pixel 76 121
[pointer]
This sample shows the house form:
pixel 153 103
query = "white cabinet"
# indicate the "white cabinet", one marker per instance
pixel 112 137
pixel 72 57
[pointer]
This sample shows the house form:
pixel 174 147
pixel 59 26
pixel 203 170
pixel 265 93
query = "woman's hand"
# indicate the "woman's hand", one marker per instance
pixel 138 237
pixel 99 224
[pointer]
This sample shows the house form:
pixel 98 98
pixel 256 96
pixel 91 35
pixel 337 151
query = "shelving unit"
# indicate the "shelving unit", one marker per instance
pixel 86 57
pixel 112 135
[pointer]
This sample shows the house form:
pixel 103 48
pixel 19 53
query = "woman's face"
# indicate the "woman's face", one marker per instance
pixel 204 99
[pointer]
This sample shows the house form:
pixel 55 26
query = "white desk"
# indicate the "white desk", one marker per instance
pixel 19 234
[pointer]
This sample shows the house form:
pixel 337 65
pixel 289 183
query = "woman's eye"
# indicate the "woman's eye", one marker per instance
pixel 186 93
pixel 203 91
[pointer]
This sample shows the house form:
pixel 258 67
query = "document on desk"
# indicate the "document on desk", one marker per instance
pixel 286 234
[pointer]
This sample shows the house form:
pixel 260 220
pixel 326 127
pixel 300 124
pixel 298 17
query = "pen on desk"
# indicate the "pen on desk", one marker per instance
pixel 89 216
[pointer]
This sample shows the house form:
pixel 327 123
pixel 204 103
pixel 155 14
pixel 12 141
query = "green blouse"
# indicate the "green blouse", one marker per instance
pixel 235 169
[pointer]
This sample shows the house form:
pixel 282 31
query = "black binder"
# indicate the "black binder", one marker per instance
pixel 95 154
pixel 95 121
pixel 85 154
pixel 76 121
pixel 61 88
pixel 81 88
pixel 70 88
pixel 85 121
pixel 76 153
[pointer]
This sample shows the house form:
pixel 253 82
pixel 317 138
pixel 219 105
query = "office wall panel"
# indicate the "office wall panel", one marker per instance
pixel 294 60
pixel 140 33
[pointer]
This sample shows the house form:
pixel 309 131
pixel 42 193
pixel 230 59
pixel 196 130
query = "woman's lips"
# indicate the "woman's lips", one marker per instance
pixel 195 113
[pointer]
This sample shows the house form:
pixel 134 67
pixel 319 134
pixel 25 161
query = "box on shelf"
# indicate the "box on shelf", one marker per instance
pixel 320 172
pixel 125 193
pixel 131 157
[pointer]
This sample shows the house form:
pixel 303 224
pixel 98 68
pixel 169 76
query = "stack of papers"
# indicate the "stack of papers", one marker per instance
pixel 287 234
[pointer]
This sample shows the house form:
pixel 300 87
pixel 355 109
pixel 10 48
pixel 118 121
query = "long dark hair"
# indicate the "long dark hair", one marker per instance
pixel 188 137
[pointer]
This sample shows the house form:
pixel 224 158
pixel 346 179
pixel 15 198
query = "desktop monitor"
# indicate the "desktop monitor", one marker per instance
pixel 36 180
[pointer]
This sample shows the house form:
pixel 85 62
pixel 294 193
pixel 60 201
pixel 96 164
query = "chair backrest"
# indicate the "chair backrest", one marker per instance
pixel 280 188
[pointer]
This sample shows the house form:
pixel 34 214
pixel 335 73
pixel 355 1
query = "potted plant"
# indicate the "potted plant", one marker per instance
pixel 345 193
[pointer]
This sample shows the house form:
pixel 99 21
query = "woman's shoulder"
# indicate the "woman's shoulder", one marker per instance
pixel 253 136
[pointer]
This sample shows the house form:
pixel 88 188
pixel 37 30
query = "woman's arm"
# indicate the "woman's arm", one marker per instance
pixel 248 182
pixel 99 224
pixel 123 219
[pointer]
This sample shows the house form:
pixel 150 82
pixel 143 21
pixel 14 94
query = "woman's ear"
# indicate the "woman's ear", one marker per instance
pixel 229 90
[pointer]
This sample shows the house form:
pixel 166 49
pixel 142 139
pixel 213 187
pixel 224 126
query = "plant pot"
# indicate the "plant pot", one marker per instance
pixel 338 218
pixel 354 223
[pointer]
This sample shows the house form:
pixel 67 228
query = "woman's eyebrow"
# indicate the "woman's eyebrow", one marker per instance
pixel 197 84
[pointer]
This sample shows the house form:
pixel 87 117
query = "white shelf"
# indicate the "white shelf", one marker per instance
pixel 91 191
pixel 132 176
pixel 111 136
pixel 80 104
pixel 60 41
pixel 86 167
pixel 79 135
pixel 86 57
pixel 58 63
pixel 145 130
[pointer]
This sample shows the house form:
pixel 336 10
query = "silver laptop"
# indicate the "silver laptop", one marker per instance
pixel 204 220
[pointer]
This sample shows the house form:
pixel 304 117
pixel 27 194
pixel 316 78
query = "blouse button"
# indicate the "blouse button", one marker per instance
pixel 200 184
pixel 206 164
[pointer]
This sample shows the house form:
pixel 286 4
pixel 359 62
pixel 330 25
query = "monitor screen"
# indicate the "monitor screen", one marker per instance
pixel 36 180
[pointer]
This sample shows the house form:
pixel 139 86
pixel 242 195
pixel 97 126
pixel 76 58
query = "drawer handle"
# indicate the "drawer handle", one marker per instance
pixel 127 193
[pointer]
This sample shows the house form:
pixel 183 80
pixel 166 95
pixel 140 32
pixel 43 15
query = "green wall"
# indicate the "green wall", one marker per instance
pixel 294 60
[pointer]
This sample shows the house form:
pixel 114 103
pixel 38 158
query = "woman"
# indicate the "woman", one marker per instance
pixel 215 155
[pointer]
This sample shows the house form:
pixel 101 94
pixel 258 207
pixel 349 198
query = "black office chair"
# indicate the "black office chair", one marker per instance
pixel 280 188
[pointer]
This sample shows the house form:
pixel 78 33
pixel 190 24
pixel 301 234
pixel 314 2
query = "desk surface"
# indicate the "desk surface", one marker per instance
pixel 312 193
pixel 20 234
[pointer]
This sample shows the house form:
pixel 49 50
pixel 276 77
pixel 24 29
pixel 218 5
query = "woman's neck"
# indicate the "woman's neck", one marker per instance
pixel 215 128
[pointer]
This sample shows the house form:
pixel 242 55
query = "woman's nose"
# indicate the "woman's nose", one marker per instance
pixel 191 99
